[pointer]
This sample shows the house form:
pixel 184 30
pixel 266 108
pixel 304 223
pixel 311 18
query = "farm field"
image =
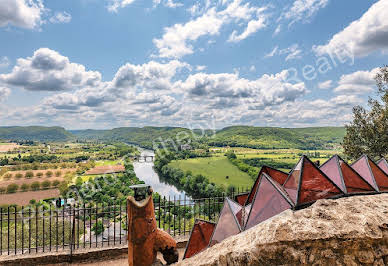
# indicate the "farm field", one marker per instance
pixel 216 169
pixel 23 198
pixel 35 173
pixel 5 147
pixel 106 169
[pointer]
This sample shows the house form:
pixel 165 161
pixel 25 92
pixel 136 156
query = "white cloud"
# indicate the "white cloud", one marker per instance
pixel 175 42
pixel 357 83
pixel 200 68
pixel 363 36
pixel 303 10
pixel 47 70
pixel 224 90
pixel 292 52
pixel 4 93
pixel 167 3
pixel 272 53
pixel 252 68
pixel 61 17
pixel 4 62
pixel 252 27
pixel 114 5
pixel 21 13
pixel 325 84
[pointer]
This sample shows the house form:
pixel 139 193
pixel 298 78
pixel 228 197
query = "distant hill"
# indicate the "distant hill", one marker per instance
pixel 271 137
pixel 35 133
pixel 144 137
pixel 235 136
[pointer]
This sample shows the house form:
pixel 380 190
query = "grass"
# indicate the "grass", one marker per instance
pixel 107 162
pixel 216 169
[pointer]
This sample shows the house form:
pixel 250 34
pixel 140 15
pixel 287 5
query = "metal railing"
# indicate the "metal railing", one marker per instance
pixel 46 228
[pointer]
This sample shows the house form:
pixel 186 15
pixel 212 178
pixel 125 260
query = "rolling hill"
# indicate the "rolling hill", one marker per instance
pixel 35 133
pixel 234 136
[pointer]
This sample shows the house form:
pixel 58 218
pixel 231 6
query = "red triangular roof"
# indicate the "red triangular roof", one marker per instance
pixel 383 164
pixel 270 199
pixel 199 238
pixel 307 183
pixel 227 224
pixel 345 177
pixel 371 173
pixel 241 198
pixel 277 175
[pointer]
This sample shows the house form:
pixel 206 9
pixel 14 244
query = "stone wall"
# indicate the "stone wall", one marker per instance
pixel 346 231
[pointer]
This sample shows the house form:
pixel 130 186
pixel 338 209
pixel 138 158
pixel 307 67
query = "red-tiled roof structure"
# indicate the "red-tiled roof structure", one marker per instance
pixel 345 177
pixel 228 224
pixel 275 174
pixel 371 173
pixel 306 183
pixel 199 238
pixel 383 164
pixel 270 199
pixel 241 198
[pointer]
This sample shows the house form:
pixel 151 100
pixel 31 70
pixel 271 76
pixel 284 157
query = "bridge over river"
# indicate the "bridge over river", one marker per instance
pixel 144 170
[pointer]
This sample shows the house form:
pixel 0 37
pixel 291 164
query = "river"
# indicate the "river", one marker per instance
pixel 145 172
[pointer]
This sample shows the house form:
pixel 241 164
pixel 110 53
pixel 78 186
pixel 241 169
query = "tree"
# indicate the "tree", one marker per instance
pixel 98 228
pixel 29 174
pixel 35 185
pixel 368 132
pixel 49 173
pixel 46 184
pixel 12 188
pixel 25 187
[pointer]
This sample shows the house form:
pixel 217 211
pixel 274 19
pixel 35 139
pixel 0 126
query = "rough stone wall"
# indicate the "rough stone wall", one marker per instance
pixel 346 231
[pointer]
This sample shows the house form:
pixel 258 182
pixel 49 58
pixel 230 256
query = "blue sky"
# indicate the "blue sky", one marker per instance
pixel 103 64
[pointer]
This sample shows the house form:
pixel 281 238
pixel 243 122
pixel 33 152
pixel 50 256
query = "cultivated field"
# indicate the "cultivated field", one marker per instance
pixel 35 173
pixel 5 147
pixel 106 169
pixel 216 169
pixel 23 198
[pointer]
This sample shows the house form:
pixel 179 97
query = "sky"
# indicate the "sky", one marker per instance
pixel 197 64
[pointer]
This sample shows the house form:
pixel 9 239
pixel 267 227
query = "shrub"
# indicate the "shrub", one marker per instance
pixel 98 228
pixel 35 186
pixel 39 174
pixel 46 184
pixel 12 188
pixel 29 174
pixel 18 175
pixel 56 183
pixel 32 201
pixel 25 187
pixel 8 176
pixel 2 190
pixel 49 173
pixel 58 173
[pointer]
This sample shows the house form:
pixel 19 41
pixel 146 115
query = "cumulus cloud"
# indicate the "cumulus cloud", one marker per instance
pixel 357 83
pixel 47 70
pixel 363 36
pixel 303 10
pixel 61 17
pixel 325 84
pixel 22 13
pixel 225 90
pixel 176 40
pixel 114 5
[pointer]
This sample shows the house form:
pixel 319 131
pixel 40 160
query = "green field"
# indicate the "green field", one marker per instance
pixel 216 169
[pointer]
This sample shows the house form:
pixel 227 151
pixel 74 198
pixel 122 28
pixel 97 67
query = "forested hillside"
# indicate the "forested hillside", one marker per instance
pixel 35 133
pixel 270 137
pixel 235 136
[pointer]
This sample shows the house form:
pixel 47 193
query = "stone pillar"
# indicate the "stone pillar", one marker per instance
pixel 144 238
